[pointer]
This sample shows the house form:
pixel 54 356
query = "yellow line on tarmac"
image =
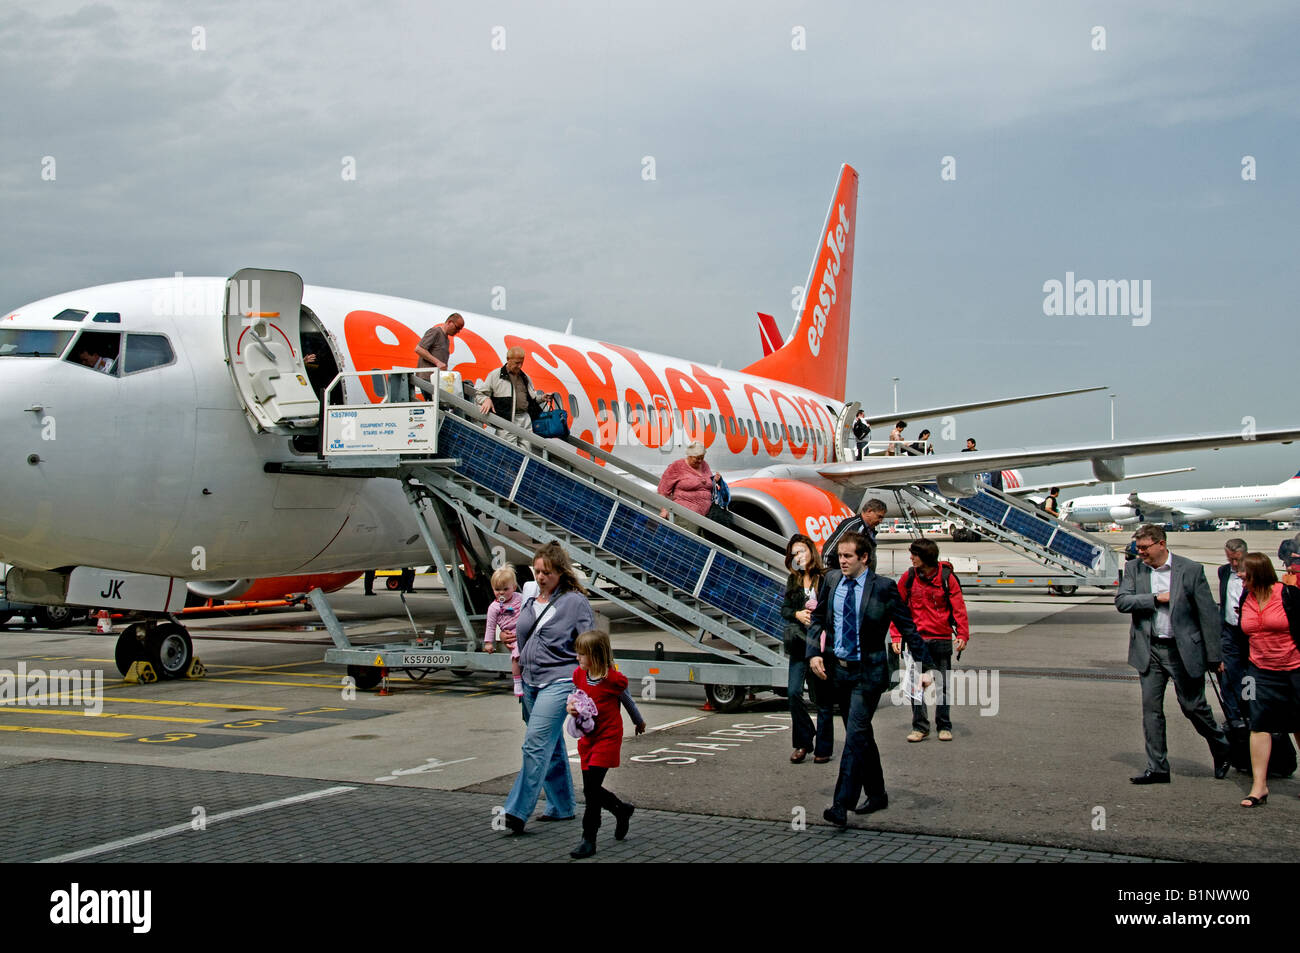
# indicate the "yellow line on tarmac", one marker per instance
pixel 127 700
pixel 162 701
pixel 265 668
pixel 249 681
pixel 82 713
pixel 67 731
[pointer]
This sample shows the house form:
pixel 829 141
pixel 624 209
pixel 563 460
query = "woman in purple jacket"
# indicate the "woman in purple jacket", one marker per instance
pixel 548 625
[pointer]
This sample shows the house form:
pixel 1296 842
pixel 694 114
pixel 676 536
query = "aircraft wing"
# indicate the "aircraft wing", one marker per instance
pixel 1152 512
pixel 1107 458
pixel 912 415
pixel 1066 484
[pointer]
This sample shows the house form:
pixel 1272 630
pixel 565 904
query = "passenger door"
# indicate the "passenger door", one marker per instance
pixel 262 313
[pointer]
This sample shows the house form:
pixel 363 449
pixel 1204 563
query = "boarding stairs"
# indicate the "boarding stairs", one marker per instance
pixel 716 592
pixel 1027 531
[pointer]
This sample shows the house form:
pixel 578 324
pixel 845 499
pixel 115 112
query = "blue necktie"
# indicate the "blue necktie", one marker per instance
pixel 849 626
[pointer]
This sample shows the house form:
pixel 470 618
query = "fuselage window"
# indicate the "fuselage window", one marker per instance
pixel 573 407
pixel 750 425
pixel 144 351
pixel 601 408
pixel 98 350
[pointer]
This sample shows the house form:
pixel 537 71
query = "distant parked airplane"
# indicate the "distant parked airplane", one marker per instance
pixel 1225 502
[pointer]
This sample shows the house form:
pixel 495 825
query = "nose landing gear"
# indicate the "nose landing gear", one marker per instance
pixel 164 644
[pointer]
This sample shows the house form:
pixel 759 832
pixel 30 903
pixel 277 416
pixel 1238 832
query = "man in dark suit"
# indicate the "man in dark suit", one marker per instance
pixel 871 514
pixel 854 610
pixel 1174 635
pixel 1234 648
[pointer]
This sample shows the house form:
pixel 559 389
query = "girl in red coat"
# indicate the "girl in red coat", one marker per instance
pixel 599 748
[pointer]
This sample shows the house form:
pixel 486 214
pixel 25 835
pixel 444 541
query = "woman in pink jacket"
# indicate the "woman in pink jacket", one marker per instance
pixel 689 482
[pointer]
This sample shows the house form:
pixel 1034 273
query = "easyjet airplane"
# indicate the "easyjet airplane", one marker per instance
pixel 142 423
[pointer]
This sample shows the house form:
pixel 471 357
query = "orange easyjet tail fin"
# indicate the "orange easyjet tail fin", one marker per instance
pixel 816 355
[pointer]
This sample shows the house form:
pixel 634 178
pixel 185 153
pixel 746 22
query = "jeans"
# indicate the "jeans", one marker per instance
pixel 801 726
pixel 940 663
pixel 1235 657
pixel 860 763
pixel 546 763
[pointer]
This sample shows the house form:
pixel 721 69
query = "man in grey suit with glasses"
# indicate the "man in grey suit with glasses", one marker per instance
pixel 1173 636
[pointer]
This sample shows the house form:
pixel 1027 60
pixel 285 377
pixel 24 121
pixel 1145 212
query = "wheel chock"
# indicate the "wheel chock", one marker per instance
pixel 383 682
pixel 140 673
pixel 196 670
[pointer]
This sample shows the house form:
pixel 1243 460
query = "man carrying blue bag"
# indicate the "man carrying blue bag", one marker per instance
pixel 509 394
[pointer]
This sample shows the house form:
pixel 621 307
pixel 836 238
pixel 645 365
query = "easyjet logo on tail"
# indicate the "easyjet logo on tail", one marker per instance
pixel 835 241
pixel 816 356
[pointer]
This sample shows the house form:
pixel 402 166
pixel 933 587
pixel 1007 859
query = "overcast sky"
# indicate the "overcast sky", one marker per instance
pixel 523 167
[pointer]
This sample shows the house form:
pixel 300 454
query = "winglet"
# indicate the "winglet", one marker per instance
pixel 769 334
pixel 816 355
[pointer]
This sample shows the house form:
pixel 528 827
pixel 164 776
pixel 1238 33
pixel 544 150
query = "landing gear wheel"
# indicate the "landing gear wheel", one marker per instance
pixel 130 647
pixel 54 617
pixel 365 677
pixel 169 649
pixel 1064 590
pixel 392 583
pixel 725 697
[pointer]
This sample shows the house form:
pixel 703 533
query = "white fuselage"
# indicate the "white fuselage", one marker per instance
pixel 160 472
pixel 1229 502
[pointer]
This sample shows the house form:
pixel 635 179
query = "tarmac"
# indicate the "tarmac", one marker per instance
pixel 1045 741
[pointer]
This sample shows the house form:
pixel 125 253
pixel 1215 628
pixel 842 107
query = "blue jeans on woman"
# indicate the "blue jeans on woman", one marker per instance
pixel 546 762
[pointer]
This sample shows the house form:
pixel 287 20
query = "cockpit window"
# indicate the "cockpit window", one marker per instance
pixel 69 314
pixel 107 317
pixel 144 351
pixel 23 342
pixel 98 350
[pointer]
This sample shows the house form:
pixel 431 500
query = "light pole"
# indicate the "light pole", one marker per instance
pixel 1112 432
pixel 895 395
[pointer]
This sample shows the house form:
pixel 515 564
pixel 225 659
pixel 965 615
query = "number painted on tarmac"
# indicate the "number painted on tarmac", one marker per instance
pixel 170 736
pixel 250 723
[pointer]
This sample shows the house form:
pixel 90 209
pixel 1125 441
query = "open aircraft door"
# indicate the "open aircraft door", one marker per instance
pixel 262 312
pixel 846 445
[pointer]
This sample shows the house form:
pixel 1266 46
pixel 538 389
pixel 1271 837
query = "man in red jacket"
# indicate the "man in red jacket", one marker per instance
pixel 932 592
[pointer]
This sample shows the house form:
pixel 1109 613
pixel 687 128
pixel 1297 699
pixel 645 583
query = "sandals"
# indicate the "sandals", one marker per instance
pixel 1252 801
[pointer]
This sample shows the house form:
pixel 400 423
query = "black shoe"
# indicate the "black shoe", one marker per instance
pixel 833 815
pixel 514 825
pixel 557 817
pixel 583 850
pixel 622 817
pixel 1151 777
pixel 1222 762
pixel 872 804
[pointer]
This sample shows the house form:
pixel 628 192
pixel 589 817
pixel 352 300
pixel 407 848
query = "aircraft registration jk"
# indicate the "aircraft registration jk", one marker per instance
pixel 146 443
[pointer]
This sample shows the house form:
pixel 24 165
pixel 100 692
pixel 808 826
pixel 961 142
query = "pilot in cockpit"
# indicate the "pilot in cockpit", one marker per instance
pixel 91 359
